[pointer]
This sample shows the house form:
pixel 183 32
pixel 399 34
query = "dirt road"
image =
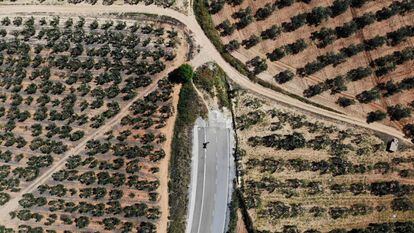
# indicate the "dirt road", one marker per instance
pixel 208 53
pixel 163 174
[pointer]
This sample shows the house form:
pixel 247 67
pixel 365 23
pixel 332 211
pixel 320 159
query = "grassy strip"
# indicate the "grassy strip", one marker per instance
pixel 300 98
pixel 237 202
pixel 234 206
pixel 189 109
pixel 248 222
pixel 211 78
pixel 206 22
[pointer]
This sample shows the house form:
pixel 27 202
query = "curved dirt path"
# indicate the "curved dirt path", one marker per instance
pixel 208 53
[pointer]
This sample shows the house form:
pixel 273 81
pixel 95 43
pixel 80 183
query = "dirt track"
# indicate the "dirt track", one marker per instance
pixel 168 130
pixel 14 203
pixel 207 53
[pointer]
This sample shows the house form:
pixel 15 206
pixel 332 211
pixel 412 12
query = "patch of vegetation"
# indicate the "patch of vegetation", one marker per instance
pixel 234 206
pixel 377 115
pixel 398 112
pixel 285 142
pixel 204 19
pixel 245 121
pixel 409 131
pixel 213 80
pixel 284 76
pixel 183 74
pixel 190 107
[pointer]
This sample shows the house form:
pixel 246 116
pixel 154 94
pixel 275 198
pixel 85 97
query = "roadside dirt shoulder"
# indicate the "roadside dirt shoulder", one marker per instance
pixel 168 131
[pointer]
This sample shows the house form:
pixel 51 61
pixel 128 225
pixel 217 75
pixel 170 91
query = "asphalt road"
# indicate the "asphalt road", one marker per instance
pixel 47 174
pixel 208 53
pixel 212 176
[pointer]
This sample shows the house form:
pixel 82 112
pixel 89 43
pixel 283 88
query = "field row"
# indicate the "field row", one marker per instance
pixel 334 52
pixel 310 175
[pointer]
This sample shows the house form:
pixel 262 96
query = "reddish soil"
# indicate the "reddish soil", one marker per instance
pixel 293 62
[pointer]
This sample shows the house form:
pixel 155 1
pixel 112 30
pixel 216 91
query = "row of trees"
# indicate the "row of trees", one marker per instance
pixel 388 63
pixel 293 48
pixel 396 113
pixel 313 18
pixel 163 3
pixel 339 83
pixel 103 193
pixel 385 89
pixel 83 221
pixel 390 88
pixel 320 14
pixel 392 39
pixel 326 36
pixel 334 166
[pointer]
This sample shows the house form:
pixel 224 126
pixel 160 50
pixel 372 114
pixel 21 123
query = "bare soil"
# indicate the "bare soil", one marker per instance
pixel 168 130
pixel 293 62
pixel 241 227
pixel 247 103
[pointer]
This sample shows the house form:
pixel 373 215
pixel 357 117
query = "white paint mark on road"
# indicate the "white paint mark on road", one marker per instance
pixel 213 183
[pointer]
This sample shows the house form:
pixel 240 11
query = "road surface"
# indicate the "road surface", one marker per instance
pixel 208 53
pixel 211 175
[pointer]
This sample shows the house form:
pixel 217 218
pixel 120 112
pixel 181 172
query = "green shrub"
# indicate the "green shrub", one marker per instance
pixel 376 116
pixel 182 74
pixel 189 108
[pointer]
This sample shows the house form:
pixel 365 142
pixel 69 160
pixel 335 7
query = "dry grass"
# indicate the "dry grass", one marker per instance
pixel 326 198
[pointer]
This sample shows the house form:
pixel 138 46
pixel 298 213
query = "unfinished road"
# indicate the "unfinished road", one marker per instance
pixel 211 175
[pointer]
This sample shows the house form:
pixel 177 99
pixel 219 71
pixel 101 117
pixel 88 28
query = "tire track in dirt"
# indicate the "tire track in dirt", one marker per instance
pixel 375 79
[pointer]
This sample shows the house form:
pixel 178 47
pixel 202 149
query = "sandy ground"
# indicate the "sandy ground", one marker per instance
pixel 163 173
pixel 13 203
pixel 241 227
